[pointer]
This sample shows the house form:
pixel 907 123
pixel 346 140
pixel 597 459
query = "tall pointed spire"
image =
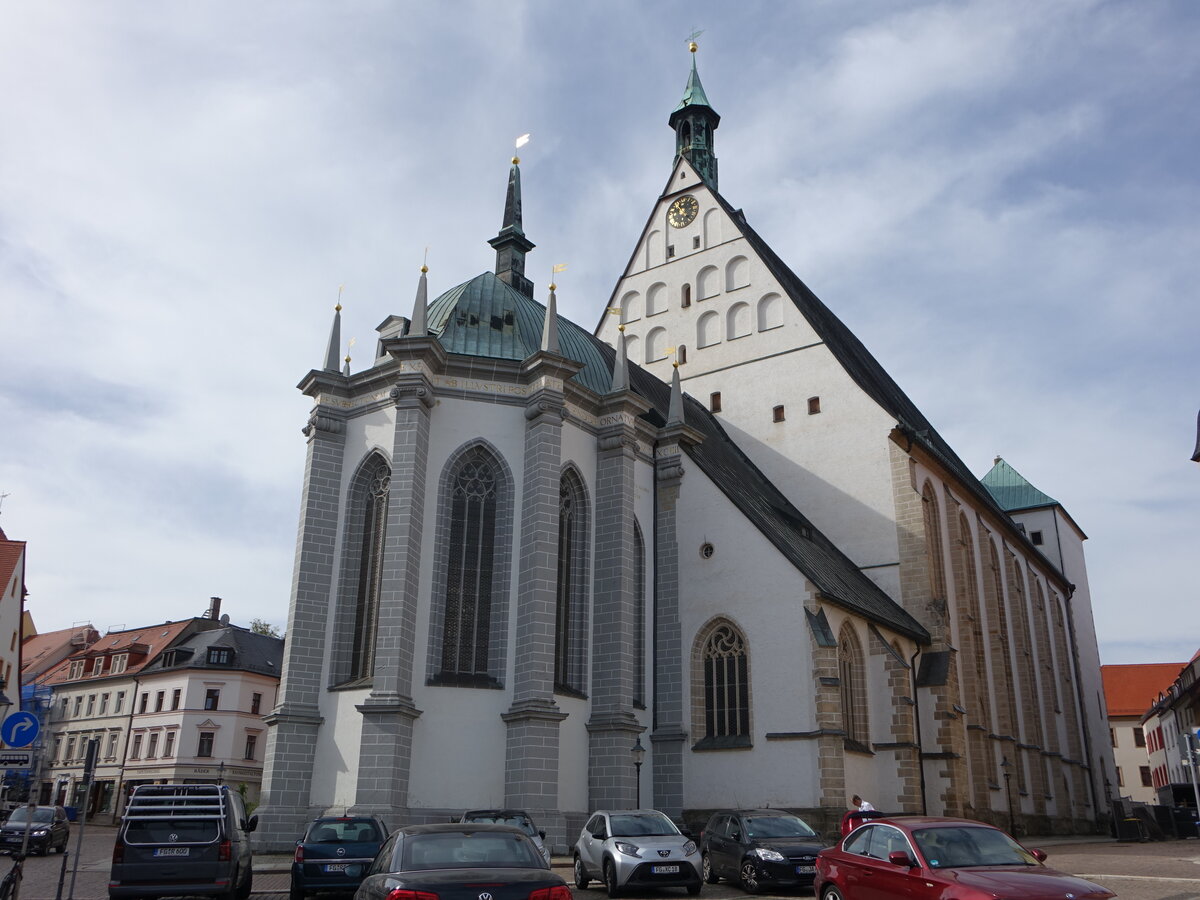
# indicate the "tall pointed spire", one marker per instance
pixel 511 244
pixel 694 121
pixel 675 410
pixel 419 326
pixel 550 326
pixel 332 364
pixel 620 376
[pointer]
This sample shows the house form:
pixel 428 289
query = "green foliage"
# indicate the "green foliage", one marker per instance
pixel 261 626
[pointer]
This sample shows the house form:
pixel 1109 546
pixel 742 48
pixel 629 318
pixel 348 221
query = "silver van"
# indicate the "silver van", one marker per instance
pixel 191 839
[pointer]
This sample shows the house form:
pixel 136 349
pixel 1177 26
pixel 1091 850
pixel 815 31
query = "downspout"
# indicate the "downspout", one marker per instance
pixel 912 665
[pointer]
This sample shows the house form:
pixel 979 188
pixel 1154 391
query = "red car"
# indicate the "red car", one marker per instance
pixel 925 858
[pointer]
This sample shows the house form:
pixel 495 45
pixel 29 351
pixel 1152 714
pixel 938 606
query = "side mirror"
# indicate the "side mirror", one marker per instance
pixel 599 835
pixel 900 858
pixel 251 824
pixel 735 835
pixel 1039 855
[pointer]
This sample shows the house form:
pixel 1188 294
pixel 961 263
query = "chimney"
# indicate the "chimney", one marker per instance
pixel 214 609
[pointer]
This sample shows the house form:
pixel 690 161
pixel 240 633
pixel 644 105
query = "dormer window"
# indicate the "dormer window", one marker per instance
pixel 76 669
pixel 98 666
pixel 219 656
pixel 120 662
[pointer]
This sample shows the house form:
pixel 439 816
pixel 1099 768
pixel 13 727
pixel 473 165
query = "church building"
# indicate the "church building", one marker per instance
pixel 707 554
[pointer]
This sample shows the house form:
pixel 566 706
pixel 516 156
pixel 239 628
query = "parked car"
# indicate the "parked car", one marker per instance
pixel 760 848
pixel 925 858
pixel 191 839
pixel 639 848
pixel 334 853
pixel 515 817
pixel 47 825
pixel 461 860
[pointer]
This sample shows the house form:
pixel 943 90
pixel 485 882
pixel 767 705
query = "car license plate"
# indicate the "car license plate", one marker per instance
pixel 335 867
pixel 805 870
pixel 172 851
pixel 666 870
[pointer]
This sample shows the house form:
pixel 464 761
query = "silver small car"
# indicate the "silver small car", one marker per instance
pixel 636 848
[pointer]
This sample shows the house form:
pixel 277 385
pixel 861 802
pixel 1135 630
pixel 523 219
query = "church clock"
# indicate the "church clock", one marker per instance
pixel 682 212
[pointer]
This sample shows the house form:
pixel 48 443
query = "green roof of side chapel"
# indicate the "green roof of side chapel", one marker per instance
pixel 1012 491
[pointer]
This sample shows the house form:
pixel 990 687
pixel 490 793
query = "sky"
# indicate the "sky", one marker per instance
pixel 999 197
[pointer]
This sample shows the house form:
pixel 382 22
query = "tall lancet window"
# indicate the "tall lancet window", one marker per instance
pixel 726 685
pixel 852 677
pixel 371 506
pixel 466 638
pixel 571 599
pixel 933 543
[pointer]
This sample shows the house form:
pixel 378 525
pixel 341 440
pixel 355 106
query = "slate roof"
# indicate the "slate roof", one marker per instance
pixel 251 652
pixel 1012 491
pixel 485 317
pixel 1130 690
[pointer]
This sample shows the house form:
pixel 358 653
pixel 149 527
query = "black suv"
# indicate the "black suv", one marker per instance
pixel 183 839
pixel 47 825
pixel 760 848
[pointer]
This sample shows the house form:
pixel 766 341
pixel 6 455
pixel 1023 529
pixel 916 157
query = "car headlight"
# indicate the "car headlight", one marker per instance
pixel 628 849
pixel 765 853
pixel 41 832
pixel 689 848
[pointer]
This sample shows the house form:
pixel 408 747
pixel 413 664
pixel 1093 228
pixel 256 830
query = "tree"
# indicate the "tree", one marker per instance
pixel 262 626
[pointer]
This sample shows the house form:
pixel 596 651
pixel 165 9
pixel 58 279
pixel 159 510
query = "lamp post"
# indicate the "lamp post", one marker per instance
pixel 639 754
pixel 1006 765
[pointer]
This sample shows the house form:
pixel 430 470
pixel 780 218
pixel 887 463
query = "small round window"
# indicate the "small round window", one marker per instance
pixel 707 550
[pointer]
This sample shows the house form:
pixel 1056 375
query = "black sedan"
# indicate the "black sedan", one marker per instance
pixel 759 848
pixel 461 862
pixel 47 826
pixel 335 853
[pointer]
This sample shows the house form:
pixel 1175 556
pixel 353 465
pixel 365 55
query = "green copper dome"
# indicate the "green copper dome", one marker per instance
pixel 485 317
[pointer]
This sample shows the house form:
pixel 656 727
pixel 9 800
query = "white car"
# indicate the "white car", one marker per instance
pixel 639 848
pixel 516 817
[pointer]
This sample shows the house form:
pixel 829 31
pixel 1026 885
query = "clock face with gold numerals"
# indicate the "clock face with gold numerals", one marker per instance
pixel 682 212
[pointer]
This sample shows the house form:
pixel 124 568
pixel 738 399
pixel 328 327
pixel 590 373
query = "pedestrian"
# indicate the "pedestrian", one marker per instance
pixel 861 804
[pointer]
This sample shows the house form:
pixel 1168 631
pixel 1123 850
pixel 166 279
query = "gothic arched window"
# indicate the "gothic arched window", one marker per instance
pixel 570 622
pixel 468 620
pixel 852 677
pixel 369 519
pixel 933 543
pixel 723 685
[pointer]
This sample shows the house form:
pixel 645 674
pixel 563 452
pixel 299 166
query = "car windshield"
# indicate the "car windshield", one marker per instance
pixel 762 828
pixel 459 850
pixel 642 825
pixel 20 815
pixel 521 822
pixel 343 830
pixel 959 847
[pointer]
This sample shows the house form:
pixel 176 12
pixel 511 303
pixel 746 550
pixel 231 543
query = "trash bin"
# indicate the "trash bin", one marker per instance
pixel 1184 822
pixel 1130 829
pixel 72 813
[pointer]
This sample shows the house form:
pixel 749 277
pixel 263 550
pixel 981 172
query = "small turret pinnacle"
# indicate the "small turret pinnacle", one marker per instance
pixel 511 244
pixel 550 326
pixel 675 410
pixel 419 327
pixel 620 375
pixel 335 338
pixel 694 121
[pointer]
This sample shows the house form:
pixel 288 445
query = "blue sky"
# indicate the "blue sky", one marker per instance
pixel 999 197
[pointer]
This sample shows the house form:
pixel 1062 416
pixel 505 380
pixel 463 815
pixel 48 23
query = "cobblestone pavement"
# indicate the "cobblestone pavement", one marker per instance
pixel 1156 871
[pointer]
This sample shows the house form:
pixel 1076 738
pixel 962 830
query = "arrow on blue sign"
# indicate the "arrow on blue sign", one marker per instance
pixel 20 729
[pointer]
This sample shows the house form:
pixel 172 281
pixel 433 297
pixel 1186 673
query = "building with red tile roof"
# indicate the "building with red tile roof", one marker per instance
pixel 12 606
pixel 1130 691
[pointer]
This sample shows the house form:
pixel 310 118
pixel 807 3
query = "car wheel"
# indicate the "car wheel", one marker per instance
pixel 297 892
pixel 749 875
pixel 710 874
pixel 246 889
pixel 831 893
pixel 581 875
pixel 610 879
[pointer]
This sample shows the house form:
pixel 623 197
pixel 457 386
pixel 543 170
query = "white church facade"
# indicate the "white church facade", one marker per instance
pixel 714 526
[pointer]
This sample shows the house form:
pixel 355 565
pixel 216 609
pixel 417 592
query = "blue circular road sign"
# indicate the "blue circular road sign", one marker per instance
pixel 20 729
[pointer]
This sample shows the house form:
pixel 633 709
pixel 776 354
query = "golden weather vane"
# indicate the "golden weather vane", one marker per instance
pixel 692 39
pixel 518 144
pixel 341 287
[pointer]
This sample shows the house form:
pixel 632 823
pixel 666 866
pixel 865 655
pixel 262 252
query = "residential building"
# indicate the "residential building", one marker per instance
pixel 199 711
pixel 1172 729
pixel 525 551
pixel 12 609
pixel 1130 691
pixel 43 652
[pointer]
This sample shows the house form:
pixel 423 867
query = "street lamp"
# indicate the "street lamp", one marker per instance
pixel 639 754
pixel 1006 765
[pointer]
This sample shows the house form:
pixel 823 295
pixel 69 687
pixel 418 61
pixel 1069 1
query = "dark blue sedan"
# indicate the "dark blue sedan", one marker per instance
pixel 335 853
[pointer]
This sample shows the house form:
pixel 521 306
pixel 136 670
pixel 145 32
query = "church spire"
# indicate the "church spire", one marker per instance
pixel 550 326
pixel 511 244
pixel 675 410
pixel 333 349
pixel 694 121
